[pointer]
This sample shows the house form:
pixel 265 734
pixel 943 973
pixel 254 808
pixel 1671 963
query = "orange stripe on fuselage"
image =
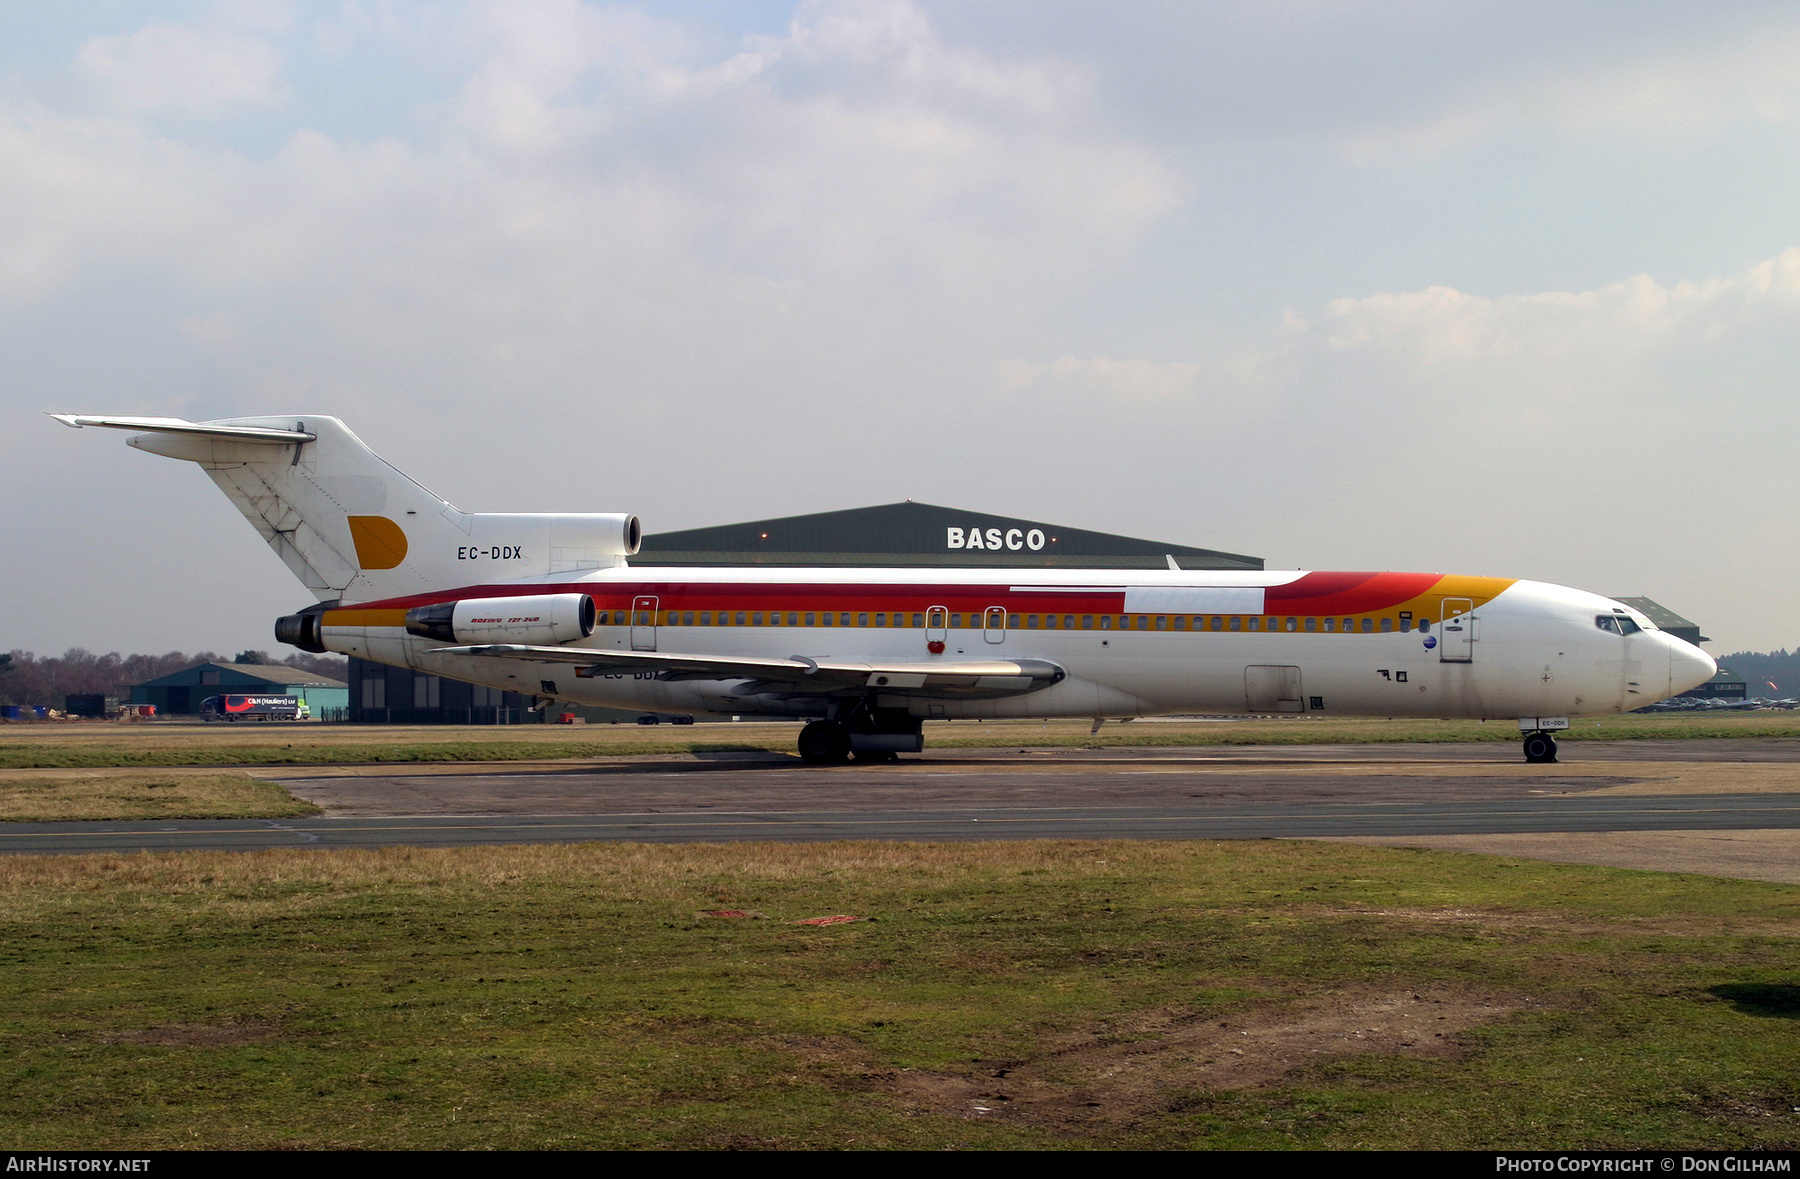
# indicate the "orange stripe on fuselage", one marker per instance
pixel 365 616
pixel 1330 594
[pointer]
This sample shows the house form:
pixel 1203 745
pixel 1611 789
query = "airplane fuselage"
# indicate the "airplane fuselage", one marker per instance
pixel 1132 642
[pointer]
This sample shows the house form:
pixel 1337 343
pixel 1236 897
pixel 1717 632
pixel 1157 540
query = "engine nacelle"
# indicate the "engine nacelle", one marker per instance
pixel 536 620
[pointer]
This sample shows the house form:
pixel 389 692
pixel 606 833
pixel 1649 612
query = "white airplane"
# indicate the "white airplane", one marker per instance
pixel 546 605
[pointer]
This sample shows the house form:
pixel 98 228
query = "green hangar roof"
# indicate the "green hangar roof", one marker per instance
pixel 912 533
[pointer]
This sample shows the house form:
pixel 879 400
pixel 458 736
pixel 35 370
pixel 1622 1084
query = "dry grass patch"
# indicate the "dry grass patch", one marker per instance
pixel 112 744
pixel 173 793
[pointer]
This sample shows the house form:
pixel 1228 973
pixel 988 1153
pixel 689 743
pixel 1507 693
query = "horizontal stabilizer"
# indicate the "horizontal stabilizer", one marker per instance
pixel 180 426
pixel 796 674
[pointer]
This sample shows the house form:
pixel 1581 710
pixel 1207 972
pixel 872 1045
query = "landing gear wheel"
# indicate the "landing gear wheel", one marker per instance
pixel 824 743
pixel 1540 748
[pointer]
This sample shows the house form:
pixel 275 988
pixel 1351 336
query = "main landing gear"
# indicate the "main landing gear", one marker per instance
pixel 1540 748
pixel 871 734
pixel 825 742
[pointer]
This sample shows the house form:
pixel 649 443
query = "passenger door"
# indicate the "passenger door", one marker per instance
pixel 643 623
pixel 1456 631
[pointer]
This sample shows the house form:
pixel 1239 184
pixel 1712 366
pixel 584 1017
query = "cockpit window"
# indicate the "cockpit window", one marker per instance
pixel 1618 624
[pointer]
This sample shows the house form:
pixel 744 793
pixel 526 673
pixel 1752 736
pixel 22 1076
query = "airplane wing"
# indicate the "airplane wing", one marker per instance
pixel 796 675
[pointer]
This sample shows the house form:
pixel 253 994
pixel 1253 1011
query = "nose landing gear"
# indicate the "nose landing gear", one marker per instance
pixel 1540 748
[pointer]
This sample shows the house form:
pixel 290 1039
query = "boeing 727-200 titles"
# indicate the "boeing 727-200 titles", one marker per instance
pixel 547 605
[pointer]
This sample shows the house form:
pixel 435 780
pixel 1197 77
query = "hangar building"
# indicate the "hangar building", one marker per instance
pixel 900 534
pixel 180 693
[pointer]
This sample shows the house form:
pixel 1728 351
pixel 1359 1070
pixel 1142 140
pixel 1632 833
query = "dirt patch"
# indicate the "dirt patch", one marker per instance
pixel 196 1035
pixel 1119 1075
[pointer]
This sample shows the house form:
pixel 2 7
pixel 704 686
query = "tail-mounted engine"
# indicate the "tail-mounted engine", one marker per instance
pixel 302 630
pixel 537 620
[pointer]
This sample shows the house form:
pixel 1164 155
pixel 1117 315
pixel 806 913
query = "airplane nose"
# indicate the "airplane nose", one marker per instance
pixel 1689 666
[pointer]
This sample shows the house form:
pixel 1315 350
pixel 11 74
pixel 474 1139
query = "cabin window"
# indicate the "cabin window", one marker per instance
pixel 1293 624
pixel 1368 624
pixel 740 618
pixel 1068 622
pixel 1049 622
pixel 1031 622
pixel 1106 622
pixel 1162 622
pixel 687 618
pixel 1405 625
pixel 1236 623
pixel 918 620
pixel 862 620
pixel 1387 626
pixel 1424 626
pixel 1330 624
pixel 881 619
pixel 1087 622
pixel 1180 622
pixel 756 618
pixel 1124 622
pixel 706 618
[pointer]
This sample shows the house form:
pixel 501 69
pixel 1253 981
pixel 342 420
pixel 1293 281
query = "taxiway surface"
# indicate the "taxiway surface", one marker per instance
pixel 1732 807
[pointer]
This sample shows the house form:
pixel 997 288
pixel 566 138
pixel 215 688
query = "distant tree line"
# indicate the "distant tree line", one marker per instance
pixel 26 679
pixel 1776 673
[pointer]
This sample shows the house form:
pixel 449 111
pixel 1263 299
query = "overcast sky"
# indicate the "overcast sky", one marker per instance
pixel 1503 288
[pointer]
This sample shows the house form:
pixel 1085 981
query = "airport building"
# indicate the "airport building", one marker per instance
pixel 900 534
pixel 180 693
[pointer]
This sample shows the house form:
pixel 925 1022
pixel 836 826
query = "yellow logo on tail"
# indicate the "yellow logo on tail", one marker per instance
pixel 379 542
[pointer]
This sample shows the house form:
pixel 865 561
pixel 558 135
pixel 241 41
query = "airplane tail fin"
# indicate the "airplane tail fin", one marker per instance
pixel 353 528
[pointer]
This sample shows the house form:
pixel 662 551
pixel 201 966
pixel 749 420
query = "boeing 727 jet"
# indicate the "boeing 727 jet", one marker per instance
pixel 548 606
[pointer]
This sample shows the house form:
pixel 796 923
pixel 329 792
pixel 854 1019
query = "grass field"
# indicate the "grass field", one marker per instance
pixel 123 745
pixel 1258 994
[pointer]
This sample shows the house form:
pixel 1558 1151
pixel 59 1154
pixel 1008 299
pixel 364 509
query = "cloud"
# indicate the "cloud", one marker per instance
pixel 1635 321
pixel 1127 381
pixel 1659 99
pixel 185 69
